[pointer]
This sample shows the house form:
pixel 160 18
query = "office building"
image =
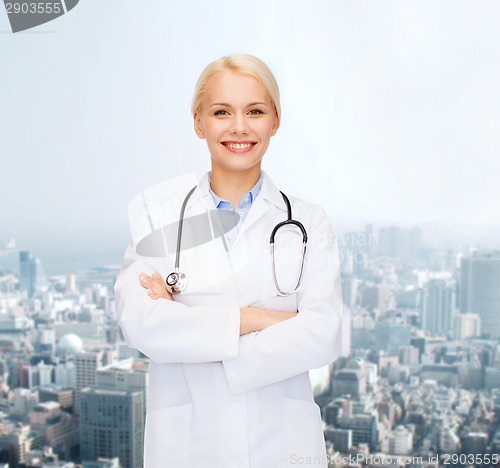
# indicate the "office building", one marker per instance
pixel 480 294
pixel 112 425
pixel 439 306
pixel 65 397
pixel 340 438
pixel 350 382
pixel 58 428
pixel 129 375
pixel 467 326
pixel 399 441
pixel 31 275
pixel 391 334
pixel 443 374
pixel 86 365
pixel 24 400
pixel 15 441
pixel 363 427
pixel 492 378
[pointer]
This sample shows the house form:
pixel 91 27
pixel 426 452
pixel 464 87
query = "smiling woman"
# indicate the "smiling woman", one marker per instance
pixel 236 115
pixel 229 381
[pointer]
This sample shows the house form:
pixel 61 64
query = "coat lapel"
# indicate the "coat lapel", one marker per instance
pixel 269 196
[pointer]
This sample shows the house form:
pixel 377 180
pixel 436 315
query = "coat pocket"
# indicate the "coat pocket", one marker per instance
pixel 167 437
pixel 305 441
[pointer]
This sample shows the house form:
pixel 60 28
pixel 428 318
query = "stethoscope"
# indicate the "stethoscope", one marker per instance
pixel 177 281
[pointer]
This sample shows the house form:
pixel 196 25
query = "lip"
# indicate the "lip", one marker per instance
pixel 236 146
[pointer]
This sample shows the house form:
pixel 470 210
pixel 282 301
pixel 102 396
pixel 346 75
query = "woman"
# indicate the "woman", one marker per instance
pixel 229 383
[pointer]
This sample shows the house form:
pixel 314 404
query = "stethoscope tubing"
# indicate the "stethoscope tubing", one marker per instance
pixel 177 277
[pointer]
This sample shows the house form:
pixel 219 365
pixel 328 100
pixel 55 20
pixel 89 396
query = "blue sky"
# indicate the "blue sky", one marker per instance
pixel 391 109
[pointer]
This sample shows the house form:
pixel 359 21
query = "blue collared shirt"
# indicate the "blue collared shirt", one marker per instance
pixel 241 210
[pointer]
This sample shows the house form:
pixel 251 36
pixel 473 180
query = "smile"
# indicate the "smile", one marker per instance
pixel 239 147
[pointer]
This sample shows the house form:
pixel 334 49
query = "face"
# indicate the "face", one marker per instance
pixel 237 119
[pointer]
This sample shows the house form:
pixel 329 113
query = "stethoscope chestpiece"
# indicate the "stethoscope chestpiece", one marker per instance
pixel 176 282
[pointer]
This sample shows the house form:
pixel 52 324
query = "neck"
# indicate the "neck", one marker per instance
pixel 233 185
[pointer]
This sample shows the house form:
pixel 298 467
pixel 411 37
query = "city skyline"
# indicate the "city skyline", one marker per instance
pixel 418 379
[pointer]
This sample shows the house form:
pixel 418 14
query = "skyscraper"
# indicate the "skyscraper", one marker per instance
pixel 129 375
pixel 86 364
pixel 112 425
pixel 26 273
pixel 31 273
pixel 439 306
pixel 480 291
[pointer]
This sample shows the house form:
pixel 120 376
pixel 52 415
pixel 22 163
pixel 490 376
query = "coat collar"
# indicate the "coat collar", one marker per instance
pixel 269 193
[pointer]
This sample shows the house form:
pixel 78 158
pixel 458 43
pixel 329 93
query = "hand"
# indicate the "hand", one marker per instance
pixel 256 319
pixel 156 286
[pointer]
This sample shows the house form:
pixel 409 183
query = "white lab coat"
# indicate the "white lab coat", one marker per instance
pixel 217 399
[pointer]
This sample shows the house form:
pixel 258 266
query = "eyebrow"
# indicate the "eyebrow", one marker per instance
pixel 229 105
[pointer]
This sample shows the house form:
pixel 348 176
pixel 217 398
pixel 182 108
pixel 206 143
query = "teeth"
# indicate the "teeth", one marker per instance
pixel 238 145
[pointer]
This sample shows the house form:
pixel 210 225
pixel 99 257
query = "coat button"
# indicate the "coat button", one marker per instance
pixel 236 406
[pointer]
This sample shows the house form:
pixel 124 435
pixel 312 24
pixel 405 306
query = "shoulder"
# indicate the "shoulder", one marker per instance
pixel 313 211
pixel 311 215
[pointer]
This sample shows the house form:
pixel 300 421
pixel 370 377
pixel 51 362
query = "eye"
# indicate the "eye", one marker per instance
pixel 221 112
pixel 255 112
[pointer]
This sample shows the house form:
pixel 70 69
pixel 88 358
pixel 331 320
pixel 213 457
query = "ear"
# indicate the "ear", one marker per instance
pixel 275 126
pixel 198 127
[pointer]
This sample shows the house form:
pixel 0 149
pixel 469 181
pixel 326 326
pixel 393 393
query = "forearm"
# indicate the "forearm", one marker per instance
pixel 254 319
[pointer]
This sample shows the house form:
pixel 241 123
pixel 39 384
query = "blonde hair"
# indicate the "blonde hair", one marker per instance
pixel 242 64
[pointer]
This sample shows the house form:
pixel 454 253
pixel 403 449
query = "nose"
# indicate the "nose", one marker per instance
pixel 239 125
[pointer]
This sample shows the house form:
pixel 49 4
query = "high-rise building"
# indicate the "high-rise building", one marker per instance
pixel 129 375
pixel 491 378
pixel 27 273
pixel 349 382
pixel 65 374
pixel 409 356
pixel 341 439
pixel 480 294
pixel 112 425
pixel 15 440
pixel 399 441
pixel 24 400
pixel 467 326
pixel 439 306
pixel 45 373
pixel 349 290
pixel 86 364
pixel 58 428
pixel 363 427
pixel 391 334
pixel 63 396
pixel 31 273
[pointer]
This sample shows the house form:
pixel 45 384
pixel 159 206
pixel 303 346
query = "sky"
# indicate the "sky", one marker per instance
pixel 391 112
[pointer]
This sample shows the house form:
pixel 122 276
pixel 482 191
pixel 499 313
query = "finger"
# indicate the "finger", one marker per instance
pixel 152 294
